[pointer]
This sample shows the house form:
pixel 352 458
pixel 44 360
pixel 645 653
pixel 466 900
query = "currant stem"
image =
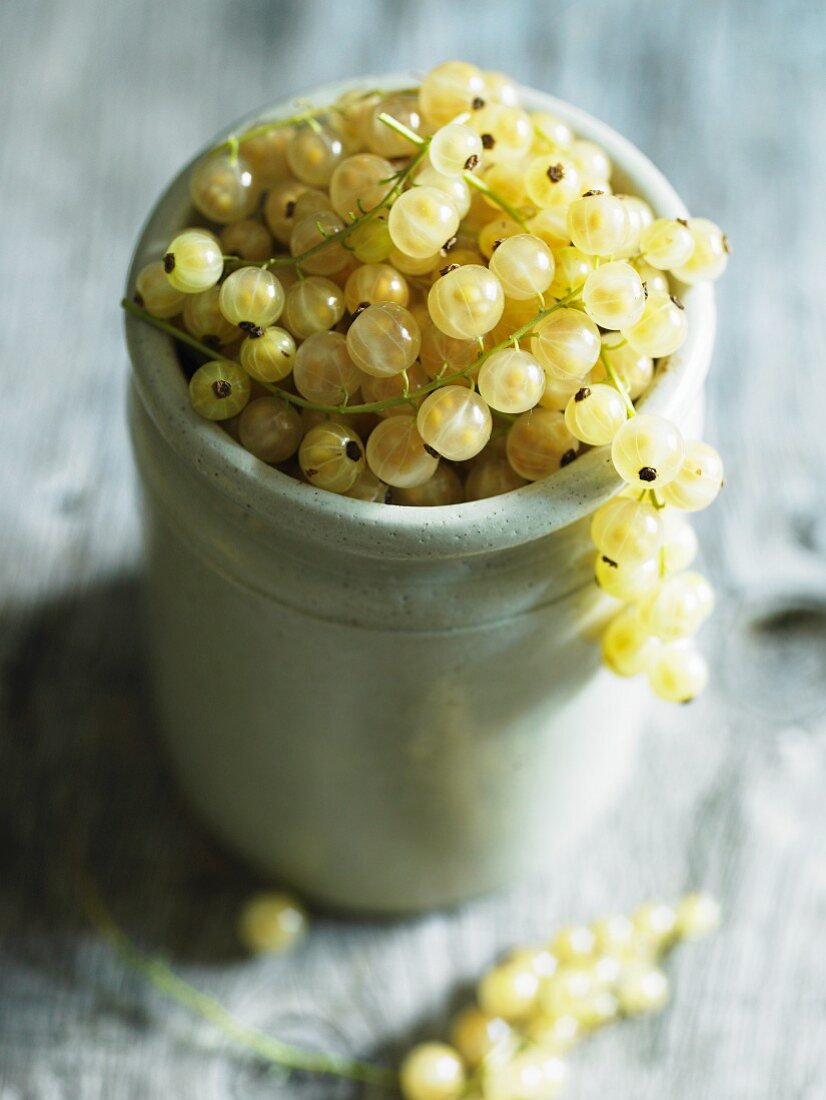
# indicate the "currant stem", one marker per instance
pixel 374 406
pixel 297 119
pixel 619 385
pixel 511 211
pixel 271 1050
pixel 342 234
pixel 403 131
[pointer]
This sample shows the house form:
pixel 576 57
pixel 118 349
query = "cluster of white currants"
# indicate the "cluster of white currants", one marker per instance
pixel 645 547
pixel 434 296
pixel 533 1006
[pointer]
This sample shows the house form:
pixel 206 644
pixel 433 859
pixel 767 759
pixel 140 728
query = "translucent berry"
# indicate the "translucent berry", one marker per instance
pixel 444 487
pixel 476 1035
pixel 635 370
pixel 453 186
pixel 710 256
pixel 316 231
pixel 269 357
pixel 368 487
pixel 644 988
pixel 466 303
pixel 373 283
pixel 219 389
pixel 627 647
pixel 432 1071
pixel 323 371
pixel 593 163
pixel 661 329
pixel 455 148
pixel 490 477
pixel 393 386
pixel 422 220
pixel 614 296
pixel 679 545
pixel 360 183
pixel 626 531
pixel 449 90
pixel 698 481
pixel 524 265
pixel 594 414
pixel 222 188
pixel 383 140
pixel 371 241
pixel 271 429
pixel 384 339
pixel 539 443
pixel 697 915
pixel 598 224
pixel 271 923
pixel 251 298
pixel 506 132
pixel 678 606
pixel 677 672
pixel 667 243
pixel 648 451
pixel 280 208
pixel 509 990
pixel 511 381
pixel 567 344
pixel 331 457
pixel 552 181
pixel 455 422
pixel 551 129
pixel 157 294
pixel 204 319
pixel 193 261
pixel 314 153
pixel 397 454
pixel 572 268
pixel 628 582
pixel 313 305
pixel 266 155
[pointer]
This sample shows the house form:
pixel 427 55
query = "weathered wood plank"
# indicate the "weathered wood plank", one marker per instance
pixel 101 103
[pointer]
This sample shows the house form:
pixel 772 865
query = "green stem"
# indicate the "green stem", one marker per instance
pixel 342 234
pixel 403 131
pixel 374 406
pixel 297 119
pixel 494 196
pixel 271 1050
pixel 619 385
pixel 469 177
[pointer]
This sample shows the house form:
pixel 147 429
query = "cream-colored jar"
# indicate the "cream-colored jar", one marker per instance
pixel 385 708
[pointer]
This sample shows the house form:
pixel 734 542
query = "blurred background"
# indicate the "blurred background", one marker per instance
pixel 101 105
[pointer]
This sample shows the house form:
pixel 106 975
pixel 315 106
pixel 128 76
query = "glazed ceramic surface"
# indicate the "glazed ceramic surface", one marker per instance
pixel 386 708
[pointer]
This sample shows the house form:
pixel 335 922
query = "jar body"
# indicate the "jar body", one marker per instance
pixel 380 736
pixel 385 708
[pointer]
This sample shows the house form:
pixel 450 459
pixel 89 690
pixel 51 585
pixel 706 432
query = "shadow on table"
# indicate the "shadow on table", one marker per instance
pixel 84 787
pixel 85 793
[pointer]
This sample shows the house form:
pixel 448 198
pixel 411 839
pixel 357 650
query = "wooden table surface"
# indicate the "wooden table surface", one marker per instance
pixel 101 102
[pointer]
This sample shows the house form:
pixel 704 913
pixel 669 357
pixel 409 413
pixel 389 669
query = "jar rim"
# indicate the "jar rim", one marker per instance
pixel 398 531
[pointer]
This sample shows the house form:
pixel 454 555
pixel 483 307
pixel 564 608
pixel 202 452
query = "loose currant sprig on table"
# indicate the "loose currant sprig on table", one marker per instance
pixel 530 1009
pixel 539 1001
pixel 265 1047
